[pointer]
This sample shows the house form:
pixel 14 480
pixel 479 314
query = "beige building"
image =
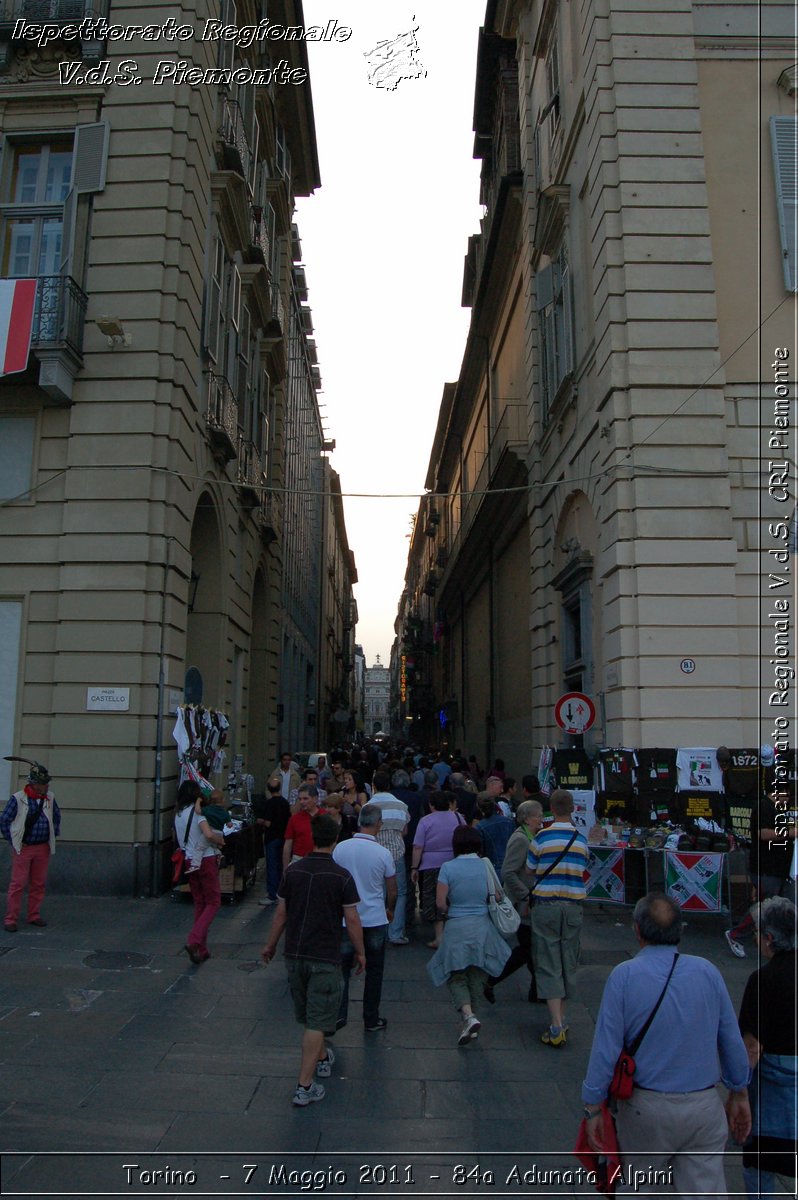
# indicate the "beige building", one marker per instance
pixel 600 469
pixel 151 535
pixel 338 621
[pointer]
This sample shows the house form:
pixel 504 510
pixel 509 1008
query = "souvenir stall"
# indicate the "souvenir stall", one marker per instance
pixel 201 735
pixel 671 819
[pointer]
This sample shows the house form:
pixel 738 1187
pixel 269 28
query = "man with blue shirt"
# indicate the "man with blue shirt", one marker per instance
pixel 555 864
pixel 674 1122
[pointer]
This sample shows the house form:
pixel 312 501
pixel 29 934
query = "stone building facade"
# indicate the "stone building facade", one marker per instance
pixel 601 524
pixel 162 455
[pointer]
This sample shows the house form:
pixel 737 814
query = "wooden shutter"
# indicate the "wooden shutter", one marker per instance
pixel 90 157
pixel 784 135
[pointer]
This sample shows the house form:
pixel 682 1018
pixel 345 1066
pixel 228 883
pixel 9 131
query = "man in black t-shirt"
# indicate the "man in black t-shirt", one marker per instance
pixel 271 815
pixel 315 898
pixel 773 833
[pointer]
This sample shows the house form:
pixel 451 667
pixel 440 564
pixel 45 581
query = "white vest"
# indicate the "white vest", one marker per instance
pixel 18 824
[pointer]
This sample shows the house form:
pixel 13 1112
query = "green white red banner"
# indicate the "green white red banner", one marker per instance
pixel 604 878
pixel 694 880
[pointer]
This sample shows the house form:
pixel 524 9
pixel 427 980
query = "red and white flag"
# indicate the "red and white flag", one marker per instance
pixel 17 299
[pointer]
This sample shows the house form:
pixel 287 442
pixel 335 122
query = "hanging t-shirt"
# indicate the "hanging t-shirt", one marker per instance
pixel 583 817
pixel 698 769
pixel 695 805
pixel 656 771
pixel 741 777
pixel 573 769
pixel 616 771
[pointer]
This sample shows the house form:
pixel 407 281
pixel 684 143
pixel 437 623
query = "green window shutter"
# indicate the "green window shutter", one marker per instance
pixel 90 157
pixel 784 135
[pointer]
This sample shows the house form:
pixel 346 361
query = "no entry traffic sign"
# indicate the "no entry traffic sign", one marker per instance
pixel 574 712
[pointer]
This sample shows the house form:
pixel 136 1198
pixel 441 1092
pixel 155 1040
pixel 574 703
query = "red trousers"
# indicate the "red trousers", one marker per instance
pixel 207 896
pixel 28 869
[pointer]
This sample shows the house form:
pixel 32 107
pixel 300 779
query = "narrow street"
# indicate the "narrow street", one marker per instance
pixel 179 1068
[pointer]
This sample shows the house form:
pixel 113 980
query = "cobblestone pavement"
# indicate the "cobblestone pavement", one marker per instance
pixel 117 1051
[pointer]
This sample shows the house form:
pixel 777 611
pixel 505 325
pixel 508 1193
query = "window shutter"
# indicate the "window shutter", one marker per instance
pixel 68 232
pixel 567 322
pixel 544 288
pixel 784 135
pixel 90 157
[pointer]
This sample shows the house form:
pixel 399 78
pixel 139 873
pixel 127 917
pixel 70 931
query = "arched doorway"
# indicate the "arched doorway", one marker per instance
pixel 205 625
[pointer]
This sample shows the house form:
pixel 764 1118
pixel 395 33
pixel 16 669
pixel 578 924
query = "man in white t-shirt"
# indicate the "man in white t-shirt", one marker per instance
pixel 395 819
pixel 372 868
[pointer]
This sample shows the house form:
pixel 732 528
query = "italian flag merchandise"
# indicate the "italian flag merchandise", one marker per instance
pixel 604 877
pixel 694 880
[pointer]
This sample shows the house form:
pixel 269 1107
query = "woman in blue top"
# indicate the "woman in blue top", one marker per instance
pixel 472 948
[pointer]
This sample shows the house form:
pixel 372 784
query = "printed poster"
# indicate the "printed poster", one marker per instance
pixel 604 878
pixel 694 880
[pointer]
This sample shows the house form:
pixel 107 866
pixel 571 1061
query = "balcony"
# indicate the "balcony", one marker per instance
pixel 51 12
pixel 259 248
pixel 222 419
pixel 270 517
pixel 504 466
pixel 250 476
pixel 236 150
pixel 274 333
pixel 59 318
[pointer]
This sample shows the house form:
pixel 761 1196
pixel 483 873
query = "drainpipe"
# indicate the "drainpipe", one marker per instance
pixel 156 805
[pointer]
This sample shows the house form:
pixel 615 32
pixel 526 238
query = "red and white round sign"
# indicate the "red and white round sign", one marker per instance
pixel 574 712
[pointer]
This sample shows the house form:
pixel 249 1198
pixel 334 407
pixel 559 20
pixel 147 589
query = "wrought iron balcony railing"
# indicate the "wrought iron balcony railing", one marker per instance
pixel 232 130
pixel 59 315
pixel 222 418
pixel 250 470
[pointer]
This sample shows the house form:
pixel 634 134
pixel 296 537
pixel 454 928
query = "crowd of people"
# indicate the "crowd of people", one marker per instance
pixel 367 849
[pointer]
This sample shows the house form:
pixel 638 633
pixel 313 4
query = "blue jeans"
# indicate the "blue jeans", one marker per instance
pixel 273 852
pixel 374 939
pixel 396 929
pixel 765 1183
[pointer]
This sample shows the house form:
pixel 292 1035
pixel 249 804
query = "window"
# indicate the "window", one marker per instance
pixel 555 328
pixel 784 138
pixel 552 109
pixel 37 178
pixel 576 612
pixel 17 439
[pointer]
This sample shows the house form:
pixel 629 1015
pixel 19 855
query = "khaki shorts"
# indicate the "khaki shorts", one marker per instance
pixel 316 989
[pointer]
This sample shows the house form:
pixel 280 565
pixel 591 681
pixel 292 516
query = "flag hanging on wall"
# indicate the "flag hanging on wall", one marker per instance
pixel 17 299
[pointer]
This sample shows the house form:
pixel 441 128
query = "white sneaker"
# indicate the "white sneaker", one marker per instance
pixel 737 948
pixel 324 1065
pixel 470 1030
pixel 308 1095
pixel 265 901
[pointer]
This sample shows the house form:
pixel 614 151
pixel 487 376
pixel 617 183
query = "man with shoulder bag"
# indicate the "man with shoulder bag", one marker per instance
pixel 674 1012
pixel 555 864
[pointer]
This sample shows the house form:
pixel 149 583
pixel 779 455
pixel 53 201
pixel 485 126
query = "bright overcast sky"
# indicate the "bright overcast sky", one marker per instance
pixel 384 240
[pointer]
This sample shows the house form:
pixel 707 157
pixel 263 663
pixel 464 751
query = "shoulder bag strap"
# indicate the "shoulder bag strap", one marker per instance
pixel 635 1046
pixel 188 827
pixel 557 860
pixel 494 883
